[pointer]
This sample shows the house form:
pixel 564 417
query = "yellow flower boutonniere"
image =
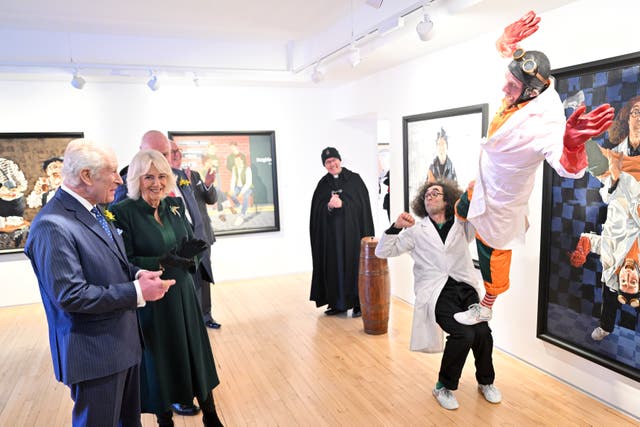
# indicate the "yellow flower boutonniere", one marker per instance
pixel 175 210
pixel 109 215
pixel 184 182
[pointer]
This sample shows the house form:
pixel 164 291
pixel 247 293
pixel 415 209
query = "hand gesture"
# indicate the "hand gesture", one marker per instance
pixel 405 220
pixel 516 32
pixel 335 202
pixel 210 177
pixel 581 127
pixel 152 287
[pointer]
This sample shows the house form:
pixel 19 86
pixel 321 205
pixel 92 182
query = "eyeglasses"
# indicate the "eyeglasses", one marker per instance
pixel 528 65
pixel 635 113
pixel 432 194
pixel 633 302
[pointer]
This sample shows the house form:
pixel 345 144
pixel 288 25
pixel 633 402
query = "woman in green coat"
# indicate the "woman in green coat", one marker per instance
pixel 177 362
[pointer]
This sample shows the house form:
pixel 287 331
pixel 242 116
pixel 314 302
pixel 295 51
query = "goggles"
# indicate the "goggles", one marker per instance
pixel 528 65
pixel 633 302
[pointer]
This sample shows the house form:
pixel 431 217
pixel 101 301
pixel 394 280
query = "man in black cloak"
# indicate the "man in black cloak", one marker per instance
pixel 340 217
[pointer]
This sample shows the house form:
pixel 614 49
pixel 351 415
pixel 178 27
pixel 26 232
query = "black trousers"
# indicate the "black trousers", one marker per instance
pixel 456 297
pixel 610 306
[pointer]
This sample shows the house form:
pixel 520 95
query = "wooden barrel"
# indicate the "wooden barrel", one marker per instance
pixel 373 288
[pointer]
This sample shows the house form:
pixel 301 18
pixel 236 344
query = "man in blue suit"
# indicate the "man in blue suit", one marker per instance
pixel 156 140
pixel 90 291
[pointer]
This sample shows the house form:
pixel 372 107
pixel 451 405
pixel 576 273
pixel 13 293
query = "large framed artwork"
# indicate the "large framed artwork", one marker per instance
pixel 244 164
pixel 442 144
pixel 587 307
pixel 30 166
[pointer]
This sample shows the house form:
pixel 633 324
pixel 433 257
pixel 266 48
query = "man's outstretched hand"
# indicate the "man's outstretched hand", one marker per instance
pixel 516 32
pixel 579 129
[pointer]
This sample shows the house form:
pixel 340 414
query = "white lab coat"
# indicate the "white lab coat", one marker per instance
pixel 434 263
pixel 620 230
pixel 508 163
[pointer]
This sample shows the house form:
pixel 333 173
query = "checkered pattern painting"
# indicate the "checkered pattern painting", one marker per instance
pixel 571 298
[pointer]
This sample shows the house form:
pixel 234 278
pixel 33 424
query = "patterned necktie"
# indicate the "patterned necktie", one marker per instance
pixel 102 221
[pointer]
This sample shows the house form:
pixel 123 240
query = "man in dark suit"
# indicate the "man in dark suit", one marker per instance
pixel 90 291
pixel 205 194
pixel 156 140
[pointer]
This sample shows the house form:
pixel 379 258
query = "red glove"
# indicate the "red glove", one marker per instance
pixel 580 127
pixel 579 256
pixel 514 33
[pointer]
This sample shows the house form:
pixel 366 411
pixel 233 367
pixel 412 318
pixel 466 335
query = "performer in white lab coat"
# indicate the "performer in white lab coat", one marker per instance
pixel 445 282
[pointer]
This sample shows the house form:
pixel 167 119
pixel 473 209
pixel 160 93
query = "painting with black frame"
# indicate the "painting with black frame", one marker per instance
pixel 445 142
pixel 246 177
pixel 30 173
pixel 571 298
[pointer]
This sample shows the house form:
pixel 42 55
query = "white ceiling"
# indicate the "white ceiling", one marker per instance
pixel 276 41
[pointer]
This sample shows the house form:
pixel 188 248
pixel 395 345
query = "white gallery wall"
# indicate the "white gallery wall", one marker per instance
pixel 473 73
pixel 305 121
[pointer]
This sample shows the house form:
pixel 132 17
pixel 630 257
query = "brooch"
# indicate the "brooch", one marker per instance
pixel 184 182
pixel 175 210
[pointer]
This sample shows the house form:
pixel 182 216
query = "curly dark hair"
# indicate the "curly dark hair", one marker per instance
pixel 619 130
pixel 451 194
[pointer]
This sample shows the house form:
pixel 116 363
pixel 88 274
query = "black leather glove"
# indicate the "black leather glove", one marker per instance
pixel 174 260
pixel 192 247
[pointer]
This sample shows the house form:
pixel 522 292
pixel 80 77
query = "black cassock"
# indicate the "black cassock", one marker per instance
pixel 335 239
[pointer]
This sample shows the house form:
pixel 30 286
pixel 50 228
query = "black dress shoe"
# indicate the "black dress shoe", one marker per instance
pixel 185 410
pixel 333 311
pixel 212 324
pixel 356 312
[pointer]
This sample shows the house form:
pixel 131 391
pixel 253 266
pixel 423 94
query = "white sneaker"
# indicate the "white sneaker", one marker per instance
pixel 477 313
pixel 490 393
pixel 445 398
pixel 598 334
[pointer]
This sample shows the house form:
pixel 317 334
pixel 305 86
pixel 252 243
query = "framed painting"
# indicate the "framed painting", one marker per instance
pixel 586 304
pixel 442 145
pixel 30 173
pixel 244 164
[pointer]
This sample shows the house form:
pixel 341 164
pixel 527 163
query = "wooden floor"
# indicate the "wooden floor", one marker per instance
pixel 282 362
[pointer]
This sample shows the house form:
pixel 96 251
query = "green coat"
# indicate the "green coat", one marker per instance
pixel 177 363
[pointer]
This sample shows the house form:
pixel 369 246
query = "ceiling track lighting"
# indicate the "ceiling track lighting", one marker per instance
pixel 425 26
pixel 153 83
pixel 354 56
pixel 77 81
pixel 317 75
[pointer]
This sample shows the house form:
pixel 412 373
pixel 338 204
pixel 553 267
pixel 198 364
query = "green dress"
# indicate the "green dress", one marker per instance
pixel 177 362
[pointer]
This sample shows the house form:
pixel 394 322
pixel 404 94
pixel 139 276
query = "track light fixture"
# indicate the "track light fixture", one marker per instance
pixel 153 83
pixel 77 81
pixel 317 75
pixel 354 56
pixel 425 26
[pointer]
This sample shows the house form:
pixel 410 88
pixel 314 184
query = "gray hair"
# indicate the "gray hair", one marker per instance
pixel 140 165
pixel 83 154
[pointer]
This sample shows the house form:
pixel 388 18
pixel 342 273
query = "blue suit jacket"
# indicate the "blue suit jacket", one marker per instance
pixel 194 212
pixel 86 283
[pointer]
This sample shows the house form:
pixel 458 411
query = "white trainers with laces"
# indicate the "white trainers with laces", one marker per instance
pixel 599 334
pixel 445 398
pixel 475 314
pixel 490 393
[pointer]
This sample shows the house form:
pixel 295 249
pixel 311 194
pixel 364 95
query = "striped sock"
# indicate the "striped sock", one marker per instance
pixel 488 300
